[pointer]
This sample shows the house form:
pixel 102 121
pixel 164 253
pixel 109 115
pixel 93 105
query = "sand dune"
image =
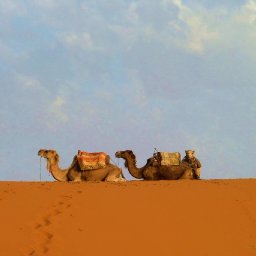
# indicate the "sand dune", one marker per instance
pixel 212 217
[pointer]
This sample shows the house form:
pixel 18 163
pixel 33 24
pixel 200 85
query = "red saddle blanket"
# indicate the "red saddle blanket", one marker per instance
pixel 90 161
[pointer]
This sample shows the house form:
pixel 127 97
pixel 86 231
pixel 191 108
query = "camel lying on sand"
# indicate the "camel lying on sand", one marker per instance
pixel 151 172
pixel 74 173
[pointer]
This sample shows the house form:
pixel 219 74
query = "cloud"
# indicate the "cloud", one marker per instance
pixel 247 13
pixel 236 29
pixel 201 29
pixel 132 13
pixel 126 34
pixel 74 40
pixel 197 32
pixel 56 115
pixel 12 7
pixel 28 82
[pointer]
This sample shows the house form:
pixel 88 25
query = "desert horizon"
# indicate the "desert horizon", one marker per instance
pixel 182 217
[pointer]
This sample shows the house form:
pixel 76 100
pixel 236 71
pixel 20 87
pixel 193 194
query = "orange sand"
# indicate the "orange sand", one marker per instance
pixel 202 218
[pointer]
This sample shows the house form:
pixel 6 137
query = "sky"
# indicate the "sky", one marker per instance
pixel 100 75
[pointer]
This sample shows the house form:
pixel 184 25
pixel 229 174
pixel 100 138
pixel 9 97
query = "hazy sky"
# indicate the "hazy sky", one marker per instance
pixel 102 75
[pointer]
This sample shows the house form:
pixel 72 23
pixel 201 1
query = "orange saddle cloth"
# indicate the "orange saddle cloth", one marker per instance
pixel 91 161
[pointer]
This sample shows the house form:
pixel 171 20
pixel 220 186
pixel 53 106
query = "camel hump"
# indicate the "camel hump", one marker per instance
pixel 169 158
pixel 92 160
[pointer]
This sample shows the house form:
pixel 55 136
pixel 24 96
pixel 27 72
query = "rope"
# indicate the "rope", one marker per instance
pixel 114 161
pixel 40 169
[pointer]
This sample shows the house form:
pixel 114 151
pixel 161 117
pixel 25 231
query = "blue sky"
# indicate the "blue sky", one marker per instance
pixel 120 74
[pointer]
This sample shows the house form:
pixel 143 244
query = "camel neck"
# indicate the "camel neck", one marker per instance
pixel 57 173
pixel 133 169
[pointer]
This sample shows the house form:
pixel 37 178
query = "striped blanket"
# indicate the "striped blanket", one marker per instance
pixel 91 161
pixel 168 158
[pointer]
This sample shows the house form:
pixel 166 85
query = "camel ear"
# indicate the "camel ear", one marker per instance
pixel 130 152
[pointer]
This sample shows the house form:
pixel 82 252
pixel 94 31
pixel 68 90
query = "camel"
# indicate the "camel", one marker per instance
pixel 152 172
pixel 74 172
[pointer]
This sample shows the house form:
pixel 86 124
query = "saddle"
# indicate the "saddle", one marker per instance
pixel 166 158
pixel 92 161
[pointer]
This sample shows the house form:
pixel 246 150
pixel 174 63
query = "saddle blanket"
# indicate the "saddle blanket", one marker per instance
pixel 168 158
pixel 90 161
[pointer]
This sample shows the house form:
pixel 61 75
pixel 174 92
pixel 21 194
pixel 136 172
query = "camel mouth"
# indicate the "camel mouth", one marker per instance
pixel 118 154
pixel 41 153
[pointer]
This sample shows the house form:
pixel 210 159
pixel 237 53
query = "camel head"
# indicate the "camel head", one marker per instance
pixel 189 153
pixel 49 155
pixel 125 154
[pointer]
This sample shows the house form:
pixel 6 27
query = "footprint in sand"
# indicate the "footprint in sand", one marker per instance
pixel 57 212
pixel 43 227
pixel 47 221
pixel 38 226
pixel 45 250
pixel 32 253
pixel 49 235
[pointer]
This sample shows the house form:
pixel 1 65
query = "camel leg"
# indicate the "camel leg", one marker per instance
pixel 188 174
pixel 122 178
pixel 115 175
pixel 75 176
pixel 77 180
pixel 197 173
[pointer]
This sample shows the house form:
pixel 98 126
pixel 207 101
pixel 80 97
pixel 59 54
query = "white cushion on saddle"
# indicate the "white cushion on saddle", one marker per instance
pixel 170 158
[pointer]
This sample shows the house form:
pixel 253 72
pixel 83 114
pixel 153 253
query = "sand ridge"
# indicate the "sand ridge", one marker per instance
pixel 206 217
